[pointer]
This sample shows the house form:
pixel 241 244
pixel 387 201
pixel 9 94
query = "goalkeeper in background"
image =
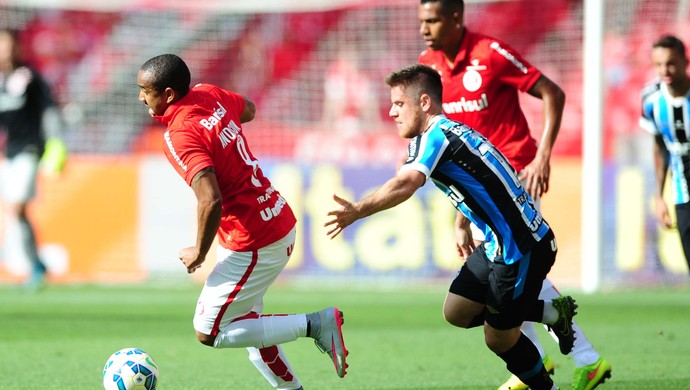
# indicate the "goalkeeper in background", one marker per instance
pixel 30 118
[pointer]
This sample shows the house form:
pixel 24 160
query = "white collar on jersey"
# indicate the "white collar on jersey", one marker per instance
pixel 676 101
pixel 434 120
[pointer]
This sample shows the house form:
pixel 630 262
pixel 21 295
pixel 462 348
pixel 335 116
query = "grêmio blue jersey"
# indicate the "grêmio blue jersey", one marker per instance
pixel 481 184
pixel 668 117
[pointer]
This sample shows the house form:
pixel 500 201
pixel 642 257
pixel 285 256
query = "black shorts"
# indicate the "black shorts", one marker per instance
pixel 507 290
pixel 683 222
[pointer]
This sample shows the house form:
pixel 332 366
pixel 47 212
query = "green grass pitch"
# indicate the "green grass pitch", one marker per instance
pixel 60 338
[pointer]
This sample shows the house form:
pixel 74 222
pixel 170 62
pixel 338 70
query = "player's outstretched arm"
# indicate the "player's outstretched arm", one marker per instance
pixel 391 194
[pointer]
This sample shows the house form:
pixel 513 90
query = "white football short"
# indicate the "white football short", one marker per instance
pixel 237 284
pixel 18 177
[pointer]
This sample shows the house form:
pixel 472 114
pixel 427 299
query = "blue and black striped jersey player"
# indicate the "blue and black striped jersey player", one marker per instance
pixel 499 284
pixel 666 114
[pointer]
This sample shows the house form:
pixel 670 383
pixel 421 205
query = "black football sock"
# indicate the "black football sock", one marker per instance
pixel 524 361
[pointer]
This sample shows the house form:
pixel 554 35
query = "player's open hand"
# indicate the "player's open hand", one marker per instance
pixel 463 242
pixel 341 218
pixel 191 259
pixel 662 213
pixel 536 177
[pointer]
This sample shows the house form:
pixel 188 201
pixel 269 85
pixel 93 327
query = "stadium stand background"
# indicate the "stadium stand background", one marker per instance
pixel 280 60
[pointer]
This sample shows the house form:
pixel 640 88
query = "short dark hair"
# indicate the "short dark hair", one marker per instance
pixel 168 70
pixel 421 78
pixel 669 41
pixel 448 6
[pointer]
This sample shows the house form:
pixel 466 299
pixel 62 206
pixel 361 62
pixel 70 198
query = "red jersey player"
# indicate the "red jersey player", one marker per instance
pixel 481 78
pixel 255 226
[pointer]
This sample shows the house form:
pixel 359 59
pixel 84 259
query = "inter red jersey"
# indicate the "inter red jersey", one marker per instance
pixel 481 90
pixel 204 130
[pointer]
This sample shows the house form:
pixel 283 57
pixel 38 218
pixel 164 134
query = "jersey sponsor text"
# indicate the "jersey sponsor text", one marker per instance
pixel 509 57
pixel 464 105
pixel 214 119
pixel 264 198
pixel 173 153
pixel 269 212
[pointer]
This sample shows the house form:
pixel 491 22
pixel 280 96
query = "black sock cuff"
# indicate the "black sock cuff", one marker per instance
pixel 524 361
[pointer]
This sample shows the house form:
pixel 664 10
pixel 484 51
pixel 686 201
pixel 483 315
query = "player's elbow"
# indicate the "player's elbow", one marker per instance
pixel 559 97
pixel 550 92
pixel 555 94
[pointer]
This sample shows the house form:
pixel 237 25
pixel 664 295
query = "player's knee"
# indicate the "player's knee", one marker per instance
pixel 206 339
pixel 495 345
pixel 462 312
pixel 454 318
pixel 500 341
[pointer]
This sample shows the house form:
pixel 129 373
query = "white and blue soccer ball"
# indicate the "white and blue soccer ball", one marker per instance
pixel 130 369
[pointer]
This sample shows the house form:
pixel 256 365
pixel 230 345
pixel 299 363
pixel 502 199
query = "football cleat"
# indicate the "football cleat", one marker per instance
pixel 563 327
pixel 38 278
pixel 329 338
pixel 589 377
pixel 514 383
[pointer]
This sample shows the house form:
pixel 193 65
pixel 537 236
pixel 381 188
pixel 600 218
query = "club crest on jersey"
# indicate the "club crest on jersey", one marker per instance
pixel 214 119
pixel 472 80
pixel 679 125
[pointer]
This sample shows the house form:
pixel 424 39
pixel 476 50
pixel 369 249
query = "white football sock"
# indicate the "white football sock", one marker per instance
pixel 274 366
pixel 583 352
pixel 550 315
pixel 261 332
pixel 528 330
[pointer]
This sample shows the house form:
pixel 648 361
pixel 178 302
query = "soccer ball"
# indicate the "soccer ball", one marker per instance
pixel 130 369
